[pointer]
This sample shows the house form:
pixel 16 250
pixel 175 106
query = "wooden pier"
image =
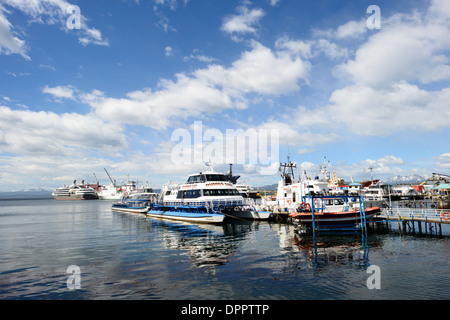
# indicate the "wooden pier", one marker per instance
pixel 427 221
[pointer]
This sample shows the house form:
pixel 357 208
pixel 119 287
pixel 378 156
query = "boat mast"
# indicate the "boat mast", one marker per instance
pixel 288 171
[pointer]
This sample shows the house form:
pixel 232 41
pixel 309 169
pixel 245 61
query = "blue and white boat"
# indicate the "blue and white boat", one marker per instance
pixel 139 202
pixel 187 213
pixel 207 197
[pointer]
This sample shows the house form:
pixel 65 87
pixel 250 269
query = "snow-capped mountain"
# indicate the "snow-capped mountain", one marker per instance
pixel 414 178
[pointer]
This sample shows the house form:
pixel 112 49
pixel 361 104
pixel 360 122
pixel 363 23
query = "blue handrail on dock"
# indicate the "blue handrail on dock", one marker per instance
pixel 340 227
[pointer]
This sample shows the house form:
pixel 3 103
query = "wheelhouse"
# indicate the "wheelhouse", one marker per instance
pixel 205 177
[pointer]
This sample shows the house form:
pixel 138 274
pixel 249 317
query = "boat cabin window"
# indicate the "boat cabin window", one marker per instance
pixel 189 194
pixel 215 177
pixel 196 179
pixel 220 192
pixel 200 178
pixel 334 202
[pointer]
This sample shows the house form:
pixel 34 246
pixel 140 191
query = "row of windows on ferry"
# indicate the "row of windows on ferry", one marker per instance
pixel 201 178
pixel 190 194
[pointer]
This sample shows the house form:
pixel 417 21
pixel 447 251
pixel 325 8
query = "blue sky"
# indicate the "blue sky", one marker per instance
pixel 112 93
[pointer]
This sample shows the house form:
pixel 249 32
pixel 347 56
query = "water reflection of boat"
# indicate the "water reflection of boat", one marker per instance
pixel 327 249
pixel 206 245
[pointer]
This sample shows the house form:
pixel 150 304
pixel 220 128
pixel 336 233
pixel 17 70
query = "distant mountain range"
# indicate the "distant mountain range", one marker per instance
pixel 27 194
pixel 414 178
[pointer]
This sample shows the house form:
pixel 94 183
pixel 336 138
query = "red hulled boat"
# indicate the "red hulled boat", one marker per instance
pixel 334 217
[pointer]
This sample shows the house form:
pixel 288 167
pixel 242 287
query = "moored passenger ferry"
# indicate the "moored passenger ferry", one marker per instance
pixel 207 193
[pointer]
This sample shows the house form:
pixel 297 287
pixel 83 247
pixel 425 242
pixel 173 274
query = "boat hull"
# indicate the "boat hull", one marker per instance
pixel 110 197
pixel 141 210
pixel 76 197
pixel 334 217
pixel 247 214
pixel 187 216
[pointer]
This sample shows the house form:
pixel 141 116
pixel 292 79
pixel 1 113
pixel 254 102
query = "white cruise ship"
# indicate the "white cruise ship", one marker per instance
pixel 75 192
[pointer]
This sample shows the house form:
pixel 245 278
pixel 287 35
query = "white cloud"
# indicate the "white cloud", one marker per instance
pixel 260 70
pixel 9 42
pixel 168 51
pixel 163 21
pixel 330 49
pixel 27 132
pixel 368 111
pixel 60 92
pixel 387 76
pixel 312 48
pixel 175 100
pixel 199 57
pixel 52 12
pixel 294 47
pixel 407 48
pixel 381 168
pixel 172 4
pixel 92 36
pixel 443 161
pixel 351 29
pixel 244 22
pixel 210 90
pixel 274 3
pixel 293 135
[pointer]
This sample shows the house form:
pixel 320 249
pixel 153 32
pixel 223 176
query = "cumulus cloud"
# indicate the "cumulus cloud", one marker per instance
pixel 27 132
pixel 52 12
pixel 244 22
pixel 210 90
pixel 443 161
pixel 291 135
pixel 9 41
pixel 351 29
pixel 312 48
pixel 60 92
pixel 390 76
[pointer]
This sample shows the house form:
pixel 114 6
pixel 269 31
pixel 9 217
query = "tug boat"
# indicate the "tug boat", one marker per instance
pixel 306 215
pixel 207 197
pixel 310 198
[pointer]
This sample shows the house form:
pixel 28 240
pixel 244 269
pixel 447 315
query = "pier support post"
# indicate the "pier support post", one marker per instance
pixel 419 224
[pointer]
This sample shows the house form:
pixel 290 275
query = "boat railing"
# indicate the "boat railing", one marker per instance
pixel 214 205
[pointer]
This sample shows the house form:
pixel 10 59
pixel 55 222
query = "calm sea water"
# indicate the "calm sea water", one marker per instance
pixel 128 256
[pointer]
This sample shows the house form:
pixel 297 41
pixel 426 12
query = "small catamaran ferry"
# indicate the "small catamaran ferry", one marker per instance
pixel 138 202
pixel 206 197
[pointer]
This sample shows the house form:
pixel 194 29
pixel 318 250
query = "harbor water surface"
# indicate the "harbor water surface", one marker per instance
pixel 129 256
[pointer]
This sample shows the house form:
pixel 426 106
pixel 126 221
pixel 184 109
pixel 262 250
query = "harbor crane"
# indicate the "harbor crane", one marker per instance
pixel 440 174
